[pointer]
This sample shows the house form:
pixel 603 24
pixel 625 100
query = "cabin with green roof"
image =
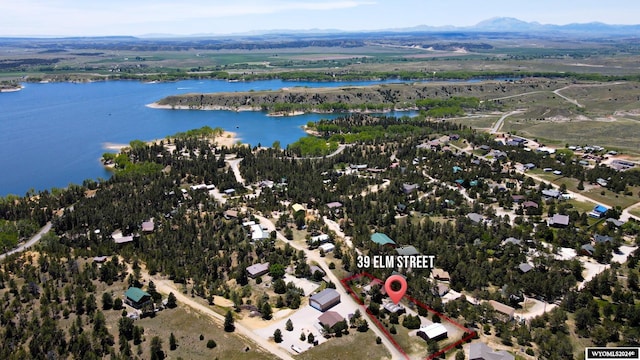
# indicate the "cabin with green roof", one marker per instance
pixel 382 239
pixel 136 297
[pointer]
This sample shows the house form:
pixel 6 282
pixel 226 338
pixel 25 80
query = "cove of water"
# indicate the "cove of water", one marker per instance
pixel 54 134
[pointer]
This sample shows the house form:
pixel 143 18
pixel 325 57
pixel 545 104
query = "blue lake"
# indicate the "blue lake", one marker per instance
pixel 54 134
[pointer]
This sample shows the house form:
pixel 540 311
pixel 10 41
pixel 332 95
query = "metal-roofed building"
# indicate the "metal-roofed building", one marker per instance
pixel 325 299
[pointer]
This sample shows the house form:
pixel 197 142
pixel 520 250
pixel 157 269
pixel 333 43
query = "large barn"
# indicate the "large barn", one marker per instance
pixel 325 299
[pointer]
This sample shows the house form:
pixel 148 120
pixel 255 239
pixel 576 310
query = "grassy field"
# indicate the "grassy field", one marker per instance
pixel 187 326
pixel 612 199
pixel 343 348
pixel 483 122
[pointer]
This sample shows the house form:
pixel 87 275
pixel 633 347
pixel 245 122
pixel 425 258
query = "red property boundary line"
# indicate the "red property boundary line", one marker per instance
pixel 386 332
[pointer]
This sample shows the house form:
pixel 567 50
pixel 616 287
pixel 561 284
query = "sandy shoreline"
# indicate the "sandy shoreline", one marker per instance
pixel 227 138
pixel 11 89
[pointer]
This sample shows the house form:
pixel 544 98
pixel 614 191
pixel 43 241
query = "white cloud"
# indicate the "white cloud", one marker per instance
pixel 62 16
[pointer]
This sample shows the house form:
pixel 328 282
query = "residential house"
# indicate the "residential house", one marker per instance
pixel 505 312
pixel 598 211
pixel 587 250
pixel 320 239
pixel 480 351
pixel 409 188
pixel 475 217
pixel 136 297
pixel 329 319
pixel 435 331
pixel 148 226
pixel 558 220
pixel 525 268
pixel 230 214
pixel 602 238
pixel 382 239
pixel 327 248
pixel 440 274
pixel 551 194
pixel 334 205
pixel 440 290
pixel 615 222
pixel 407 250
pixel 529 166
pixel 511 240
pixel 256 270
pixel 530 204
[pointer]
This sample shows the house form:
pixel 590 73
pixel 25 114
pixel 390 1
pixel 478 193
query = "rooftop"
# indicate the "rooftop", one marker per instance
pixel 330 318
pixel 382 239
pixel 136 294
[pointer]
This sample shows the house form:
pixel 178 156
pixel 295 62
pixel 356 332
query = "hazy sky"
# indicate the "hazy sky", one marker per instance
pixel 139 17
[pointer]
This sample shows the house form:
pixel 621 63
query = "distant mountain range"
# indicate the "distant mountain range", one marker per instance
pixel 508 24
pixel 497 24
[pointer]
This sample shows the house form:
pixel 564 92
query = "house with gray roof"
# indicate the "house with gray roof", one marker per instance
pixel 558 220
pixel 475 217
pixel 256 270
pixel 480 351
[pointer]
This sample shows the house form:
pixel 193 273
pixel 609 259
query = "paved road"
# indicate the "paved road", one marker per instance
pixel 34 239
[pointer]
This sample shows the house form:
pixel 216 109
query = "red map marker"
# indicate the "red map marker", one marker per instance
pixel 395 296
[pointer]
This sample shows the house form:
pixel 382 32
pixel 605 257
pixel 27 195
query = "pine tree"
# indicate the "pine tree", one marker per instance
pixel 277 336
pixel 289 325
pixel 228 322
pixel 173 343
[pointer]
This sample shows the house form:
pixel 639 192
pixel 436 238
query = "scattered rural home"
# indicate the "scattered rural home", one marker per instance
pixel 602 182
pixel 148 226
pixel 320 239
pixel 325 299
pixel 329 319
pixel 598 211
pixel 407 250
pixel 409 188
pixel 136 298
pixel 602 238
pixel 517 198
pixel 334 205
pixel 393 308
pixel 327 248
pixel 558 220
pixel 622 165
pixel 435 331
pixel 475 217
pixel 382 239
pixel 529 166
pixel 401 208
pixel 440 274
pixel 373 283
pixel 258 233
pixel 454 137
pixel 256 270
pixel 480 351
pixel 530 204
pixel 615 222
pixel 100 259
pixel 587 250
pixel 525 268
pixel 456 169
pixel 315 268
pixel 229 192
pixel 511 240
pixel 266 184
pixel 506 312
pixel 551 194
pixel 230 214
pixel 440 290
pixel 297 207
pixel 118 238
pixel 484 147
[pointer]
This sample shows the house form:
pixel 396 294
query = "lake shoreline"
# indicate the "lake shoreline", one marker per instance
pixel 157 105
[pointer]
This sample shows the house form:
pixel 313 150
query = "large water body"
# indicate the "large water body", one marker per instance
pixel 54 134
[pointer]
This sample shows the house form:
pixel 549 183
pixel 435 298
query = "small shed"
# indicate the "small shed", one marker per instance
pixel 256 270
